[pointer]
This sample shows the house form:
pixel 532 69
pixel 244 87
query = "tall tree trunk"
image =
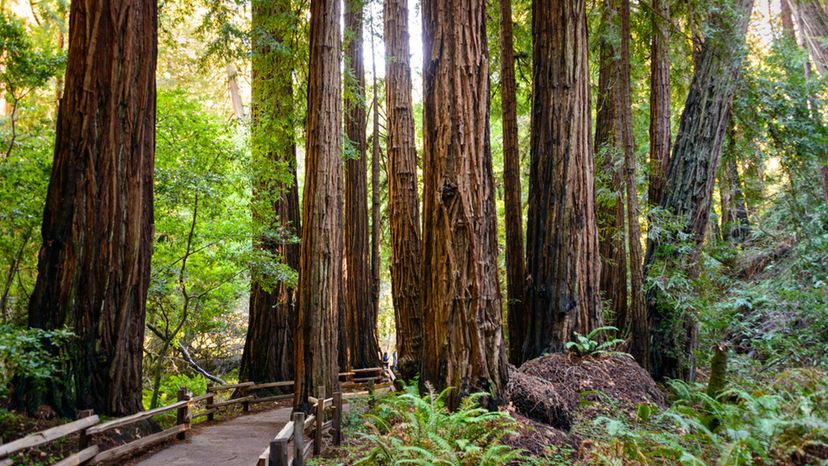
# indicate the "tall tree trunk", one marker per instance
pixel 562 239
pixel 639 328
pixel 690 180
pixel 463 343
pixel 403 200
pixel 320 261
pixel 94 265
pixel 787 18
pixel 610 156
pixel 361 319
pixel 376 215
pixel 268 347
pixel 659 100
pixel 515 268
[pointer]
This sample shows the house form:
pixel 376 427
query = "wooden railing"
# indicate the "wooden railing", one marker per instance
pixel 289 448
pixel 88 425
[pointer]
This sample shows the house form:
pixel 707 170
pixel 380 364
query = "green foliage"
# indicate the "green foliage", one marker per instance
pixel 408 428
pixel 25 352
pixel 23 65
pixel 170 384
pixel 783 422
pixel 591 345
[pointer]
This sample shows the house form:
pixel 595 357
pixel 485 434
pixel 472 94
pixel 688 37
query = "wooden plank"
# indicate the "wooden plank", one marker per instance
pixel 309 421
pixel 369 369
pixel 232 401
pixel 201 398
pixel 369 379
pixel 337 418
pixel 279 452
pixel 271 398
pixel 299 440
pixel 80 457
pixel 286 433
pixel 327 426
pixel 122 421
pixel 308 449
pixel 320 417
pixel 286 383
pixel 232 386
pixel 45 436
pixel 138 445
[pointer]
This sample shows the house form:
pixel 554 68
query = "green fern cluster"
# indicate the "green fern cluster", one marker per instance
pixel 590 345
pixel 739 427
pixel 408 428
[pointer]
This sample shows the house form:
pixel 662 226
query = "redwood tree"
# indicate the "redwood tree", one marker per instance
pixel 361 321
pixel 403 200
pixel 268 347
pixel 659 100
pixel 320 261
pixel 94 264
pixel 689 187
pixel 463 344
pixel 515 268
pixel 562 239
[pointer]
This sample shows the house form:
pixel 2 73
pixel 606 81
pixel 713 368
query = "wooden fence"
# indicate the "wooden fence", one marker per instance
pixel 88 424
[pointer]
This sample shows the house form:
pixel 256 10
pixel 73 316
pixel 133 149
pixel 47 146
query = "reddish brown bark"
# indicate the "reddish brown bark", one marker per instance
pixel 735 223
pixel 660 133
pixel 515 267
pixel 361 320
pixel 610 157
pixel 268 348
pixel 690 179
pixel 94 265
pixel 320 261
pixel 463 344
pixel 403 200
pixel 562 240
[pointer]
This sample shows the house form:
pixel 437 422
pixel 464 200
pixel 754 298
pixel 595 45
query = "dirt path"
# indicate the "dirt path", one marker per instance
pixel 238 441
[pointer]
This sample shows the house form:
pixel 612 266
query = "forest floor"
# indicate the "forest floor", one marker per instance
pixel 238 441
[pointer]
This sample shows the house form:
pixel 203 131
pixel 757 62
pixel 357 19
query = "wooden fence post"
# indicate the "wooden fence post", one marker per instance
pixel 182 415
pixel 337 418
pixel 245 404
pixel 83 438
pixel 320 419
pixel 210 400
pixel 299 438
pixel 279 452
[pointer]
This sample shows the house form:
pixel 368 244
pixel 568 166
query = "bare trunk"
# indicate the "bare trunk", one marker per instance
pixel 562 239
pixel 233 88
pixel 463 344
pixel 403 200
pixel 610 157
pixel 659 100
pixel 735 223
pixel 376 215
pixel 689 187
pixel 268 347
pixel 361 320
pixel 515 267
pixel 320 261
pixel 94 265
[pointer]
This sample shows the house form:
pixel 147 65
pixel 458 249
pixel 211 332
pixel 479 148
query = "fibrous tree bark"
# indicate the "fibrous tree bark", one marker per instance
pixel 562 240
pixel 376 215
pixel 515 267
pixel 403 200
pixel 659 100
pixel 268 347
pixel 637 311
pixel 689 188
pixel 320 261
pixel 610 157
pixel 463 344
pixel 94 264
pixel 360 319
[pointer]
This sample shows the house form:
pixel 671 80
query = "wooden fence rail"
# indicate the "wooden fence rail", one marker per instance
pixel 281 453
pixel 89 425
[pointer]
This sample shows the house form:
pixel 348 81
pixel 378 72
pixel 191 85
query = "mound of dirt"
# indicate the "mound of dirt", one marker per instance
pixel 560 388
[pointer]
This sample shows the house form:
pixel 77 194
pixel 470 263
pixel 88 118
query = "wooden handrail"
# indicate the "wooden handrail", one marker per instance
pixel 231 386
pixel 122 421
pixel 46 436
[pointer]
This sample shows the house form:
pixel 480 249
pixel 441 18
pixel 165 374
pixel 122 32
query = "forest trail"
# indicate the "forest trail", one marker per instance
pixel 238 441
